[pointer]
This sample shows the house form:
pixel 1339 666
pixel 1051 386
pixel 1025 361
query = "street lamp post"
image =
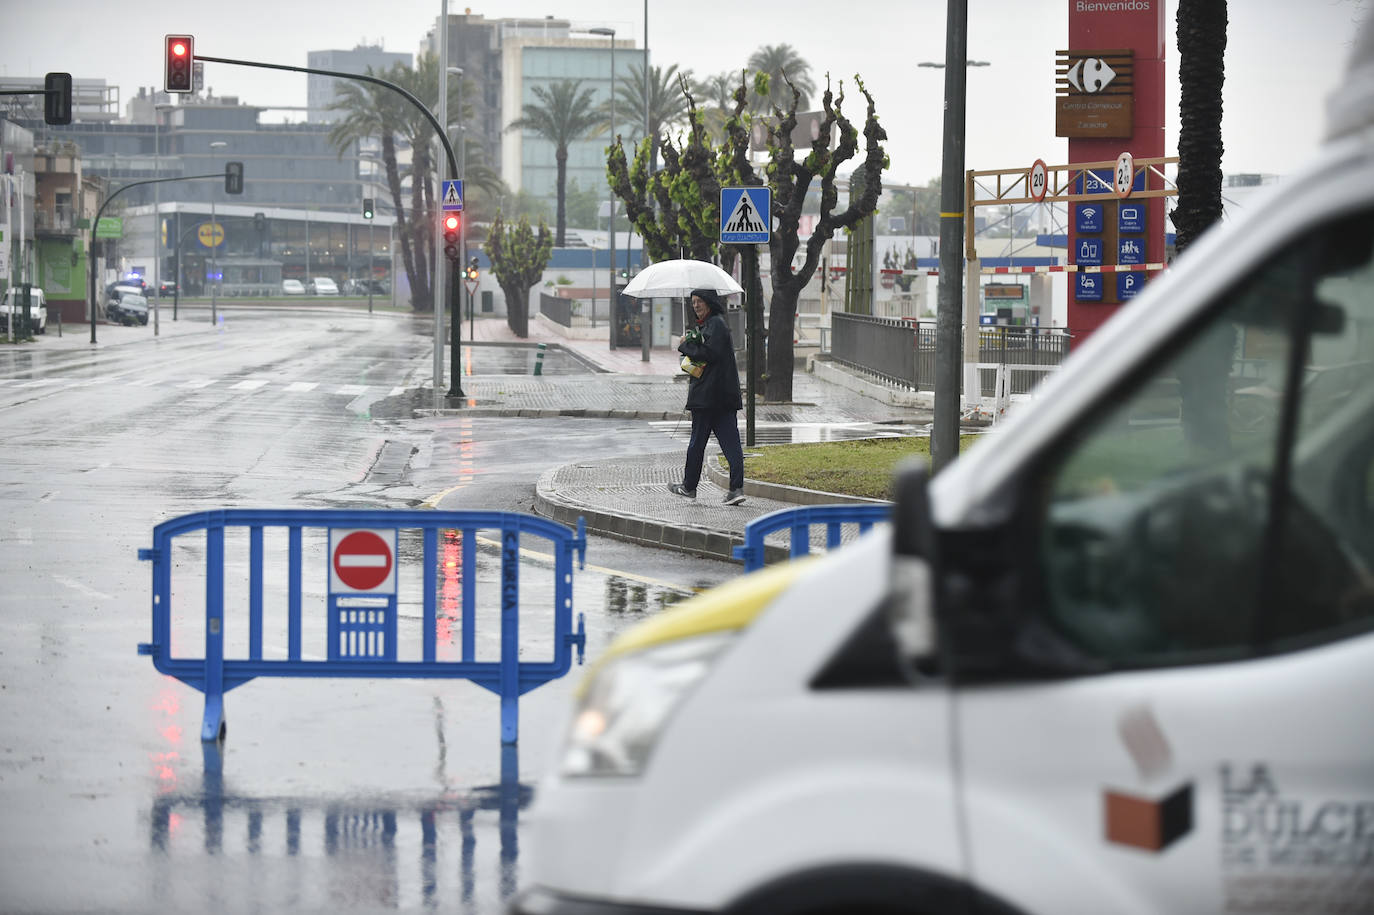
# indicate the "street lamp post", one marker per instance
pixel 610 225
pixel 214 248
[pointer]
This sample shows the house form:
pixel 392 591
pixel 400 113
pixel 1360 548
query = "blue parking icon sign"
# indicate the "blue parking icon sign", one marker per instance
pixel 746 215
pixel 1128 285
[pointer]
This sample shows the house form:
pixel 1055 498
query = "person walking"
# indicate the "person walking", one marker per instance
pixel 713 396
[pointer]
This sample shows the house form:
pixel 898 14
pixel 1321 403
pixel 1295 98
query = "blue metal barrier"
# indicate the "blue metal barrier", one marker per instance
pixel 362 602
pixel 799 521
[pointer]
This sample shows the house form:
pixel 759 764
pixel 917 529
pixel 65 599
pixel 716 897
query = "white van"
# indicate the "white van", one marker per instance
pixel 1118 658
pixel 12 312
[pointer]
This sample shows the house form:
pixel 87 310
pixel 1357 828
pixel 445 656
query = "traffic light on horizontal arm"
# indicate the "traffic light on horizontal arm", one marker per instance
pixel 452 222
pixel 57 98
pixel 180 57
pixel 233 177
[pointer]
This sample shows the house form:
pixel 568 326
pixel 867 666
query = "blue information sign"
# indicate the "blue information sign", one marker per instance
pixel 1088 217
pixel 1088 252
pixel 1128 285
pixel 1089 287
pixel 1130 218
pixel 452 194
pixel 1130 250
pixel 746 215
pixel 1103 181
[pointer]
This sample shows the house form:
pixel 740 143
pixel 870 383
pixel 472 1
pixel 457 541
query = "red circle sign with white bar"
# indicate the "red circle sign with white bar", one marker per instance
pixel 362 561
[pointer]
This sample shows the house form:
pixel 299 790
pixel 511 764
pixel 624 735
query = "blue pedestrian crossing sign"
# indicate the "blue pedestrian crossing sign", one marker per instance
pixel 452 194
pixel 746 215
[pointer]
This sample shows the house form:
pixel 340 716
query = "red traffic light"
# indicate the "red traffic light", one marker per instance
pixel 180 56
pixel 450 223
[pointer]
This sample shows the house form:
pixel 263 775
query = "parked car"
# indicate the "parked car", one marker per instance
pixel 12 310
pixel 127 306
pixel 292 287
pixel 166 288
pixel 322 285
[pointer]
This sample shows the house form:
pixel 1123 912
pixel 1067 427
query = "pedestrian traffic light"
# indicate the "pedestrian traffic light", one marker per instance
pixel 233 177
pixel 473 272
pixel 367 208
pixel 451 224
pixel 180 57
pixel 57 98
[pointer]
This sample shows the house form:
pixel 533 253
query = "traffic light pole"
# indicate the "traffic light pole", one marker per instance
pixel 96 224
pixel 433 122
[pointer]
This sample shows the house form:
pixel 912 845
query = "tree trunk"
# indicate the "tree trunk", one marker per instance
pixel 421 294
pixel 393 181
pixel 560 220
pixel 782 322
pixel 517 309
pixel 1202 73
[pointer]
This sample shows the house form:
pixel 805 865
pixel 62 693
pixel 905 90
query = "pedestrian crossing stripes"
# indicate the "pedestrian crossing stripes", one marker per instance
pixel 195 385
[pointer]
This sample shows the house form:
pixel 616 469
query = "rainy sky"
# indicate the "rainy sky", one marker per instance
pixel 1283 56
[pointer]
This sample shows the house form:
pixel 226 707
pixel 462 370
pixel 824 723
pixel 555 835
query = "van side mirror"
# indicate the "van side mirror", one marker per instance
pixel 911 604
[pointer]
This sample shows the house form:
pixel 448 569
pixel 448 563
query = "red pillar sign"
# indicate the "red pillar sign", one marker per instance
pixel 1110 102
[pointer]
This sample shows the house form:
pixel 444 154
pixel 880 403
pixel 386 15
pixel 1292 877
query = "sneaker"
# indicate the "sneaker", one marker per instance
pixel 678 489
pixel 734 497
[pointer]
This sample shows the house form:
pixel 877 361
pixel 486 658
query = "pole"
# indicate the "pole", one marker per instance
pixel 214 256
pixel 455 385
pixel 614 294
pixel 157 218
pixel 437 274
pixel 748 270
pixel 370 255
pixel 944 437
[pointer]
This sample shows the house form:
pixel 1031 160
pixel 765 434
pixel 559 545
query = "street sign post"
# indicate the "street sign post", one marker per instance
pixel 452 194
pixel 362 561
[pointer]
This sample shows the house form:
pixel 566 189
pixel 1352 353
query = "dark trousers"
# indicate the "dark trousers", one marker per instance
pixel 722 424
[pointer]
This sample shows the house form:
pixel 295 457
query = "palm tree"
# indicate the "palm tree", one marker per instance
pixel 667 104
pixel 778 60
pixel 372 111
pixel 564 112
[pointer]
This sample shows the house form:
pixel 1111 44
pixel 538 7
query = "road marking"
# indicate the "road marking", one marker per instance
pixel 352 390
pixel 198 383
pixel 84 589
pixel 300 387
pixel 252 384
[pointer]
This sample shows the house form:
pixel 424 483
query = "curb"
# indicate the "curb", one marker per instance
pixel 698 541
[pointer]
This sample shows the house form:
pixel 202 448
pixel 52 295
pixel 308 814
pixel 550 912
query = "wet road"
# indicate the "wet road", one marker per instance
pixel 329 795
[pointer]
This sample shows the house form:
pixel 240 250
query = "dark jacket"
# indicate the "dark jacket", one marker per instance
pixel 718 386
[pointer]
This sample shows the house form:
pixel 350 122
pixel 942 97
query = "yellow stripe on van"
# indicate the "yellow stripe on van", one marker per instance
pixel 733 605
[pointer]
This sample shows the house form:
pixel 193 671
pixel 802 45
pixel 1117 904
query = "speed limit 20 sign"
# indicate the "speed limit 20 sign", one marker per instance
pixel 1039 180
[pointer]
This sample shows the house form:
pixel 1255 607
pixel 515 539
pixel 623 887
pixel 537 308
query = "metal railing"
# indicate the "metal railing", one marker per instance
pixel 357 585
pixel 901 351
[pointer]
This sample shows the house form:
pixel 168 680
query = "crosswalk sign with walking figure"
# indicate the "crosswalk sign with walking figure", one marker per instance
pixel 746 215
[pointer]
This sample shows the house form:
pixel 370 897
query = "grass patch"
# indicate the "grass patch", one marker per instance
pixel 862 467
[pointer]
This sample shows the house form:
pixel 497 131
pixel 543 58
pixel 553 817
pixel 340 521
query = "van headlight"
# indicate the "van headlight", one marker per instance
pixel 628 701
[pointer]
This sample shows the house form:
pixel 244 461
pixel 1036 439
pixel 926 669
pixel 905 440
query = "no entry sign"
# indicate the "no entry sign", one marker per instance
pixel 362 561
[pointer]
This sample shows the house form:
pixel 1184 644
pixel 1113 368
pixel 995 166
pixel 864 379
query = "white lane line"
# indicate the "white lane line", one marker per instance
pixel 252 384
pixel 396 391
pixel 352 390
pixel 197 383
pixel 300 387
pixel 84 589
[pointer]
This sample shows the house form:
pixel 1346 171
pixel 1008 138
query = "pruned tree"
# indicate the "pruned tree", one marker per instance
pixel 518 257
pixel 791 181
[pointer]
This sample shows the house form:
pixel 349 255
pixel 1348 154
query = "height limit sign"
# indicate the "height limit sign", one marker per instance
pixel 746 215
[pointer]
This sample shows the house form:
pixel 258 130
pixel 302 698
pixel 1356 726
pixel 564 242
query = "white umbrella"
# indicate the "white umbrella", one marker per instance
pixel 679 278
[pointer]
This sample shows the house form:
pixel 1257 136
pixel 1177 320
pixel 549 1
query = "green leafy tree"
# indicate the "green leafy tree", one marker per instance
pixel 564 112
pixel 786 73
pixel 518 257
